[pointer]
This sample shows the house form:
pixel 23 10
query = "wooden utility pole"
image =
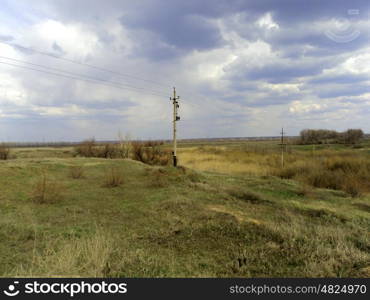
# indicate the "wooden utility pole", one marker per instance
pixel 175 119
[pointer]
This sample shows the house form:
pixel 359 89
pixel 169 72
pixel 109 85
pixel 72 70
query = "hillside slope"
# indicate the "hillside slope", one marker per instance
pixel 166 222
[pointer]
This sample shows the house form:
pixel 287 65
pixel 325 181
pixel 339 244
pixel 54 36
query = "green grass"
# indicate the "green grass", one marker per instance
pixel 167 222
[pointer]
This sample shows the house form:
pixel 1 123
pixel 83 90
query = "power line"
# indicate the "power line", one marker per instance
pixel 77 78
pixel 94 67
pixel 80 75
pixel 85 64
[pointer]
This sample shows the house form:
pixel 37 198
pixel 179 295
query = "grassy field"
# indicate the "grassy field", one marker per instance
pixel 231 211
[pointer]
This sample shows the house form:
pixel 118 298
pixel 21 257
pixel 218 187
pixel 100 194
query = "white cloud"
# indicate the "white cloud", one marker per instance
pixel 267 22
pixel 11 91
pixel 358 64
pixel 74 39
pixel 298 107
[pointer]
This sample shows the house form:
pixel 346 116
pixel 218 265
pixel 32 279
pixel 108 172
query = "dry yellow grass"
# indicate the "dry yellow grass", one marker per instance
pixel 236 162
pixel 71 258
pixel 347 169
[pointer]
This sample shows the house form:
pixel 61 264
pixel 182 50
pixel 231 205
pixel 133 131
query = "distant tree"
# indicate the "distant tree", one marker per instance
pixel 353 136
pixel 320 136
pixel 323 136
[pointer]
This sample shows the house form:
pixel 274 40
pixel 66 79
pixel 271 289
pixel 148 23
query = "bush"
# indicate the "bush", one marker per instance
pixel 4 151
pixel 77 172
pixel 138 151
pixel 344 164
pixel 348 173
pixel 46 191
pixel 107 151
pixel 124 147
pixel 151 153
pixel 113 178
pixel 87 148
pixel 292 170
pixel 353 187
pixel 322 178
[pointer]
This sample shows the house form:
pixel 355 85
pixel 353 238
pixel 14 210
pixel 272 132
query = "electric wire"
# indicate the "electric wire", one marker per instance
pixel 84 64
pixel 80 75
pixel 78 78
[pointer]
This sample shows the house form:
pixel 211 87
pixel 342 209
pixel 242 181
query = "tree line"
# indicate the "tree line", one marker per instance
pixel 323 136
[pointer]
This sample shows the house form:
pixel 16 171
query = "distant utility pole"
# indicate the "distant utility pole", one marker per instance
pixel 282 143
pixel 175 119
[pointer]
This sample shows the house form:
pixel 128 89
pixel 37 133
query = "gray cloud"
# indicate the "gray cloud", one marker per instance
pixel 343 90
pixel 6 38
pixel 340 79
pixel 58 49
pixel 189 32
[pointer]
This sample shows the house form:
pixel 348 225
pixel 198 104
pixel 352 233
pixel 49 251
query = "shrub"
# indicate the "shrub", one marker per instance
pixel 46 191
pixel 113 178
pixel 156 156
pixel 324 179
pixel 124 147
pixel 138 151
pixel 151 153
pixel 86 148
pixel 107 151
pixel 345 171
pixel 292 170
pixel 77 172
pixel 353 187
pixel 4 151
pixel 349 164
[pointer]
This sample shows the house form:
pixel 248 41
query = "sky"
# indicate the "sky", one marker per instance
pixel 241 68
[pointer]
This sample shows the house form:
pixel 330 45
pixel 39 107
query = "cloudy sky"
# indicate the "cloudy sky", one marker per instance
pixel 241 67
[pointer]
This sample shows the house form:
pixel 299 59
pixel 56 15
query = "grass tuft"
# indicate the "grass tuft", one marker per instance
pixel 113 178
pixel 77 172
pixel 4 151
pixel 76 257
pixel 46 191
